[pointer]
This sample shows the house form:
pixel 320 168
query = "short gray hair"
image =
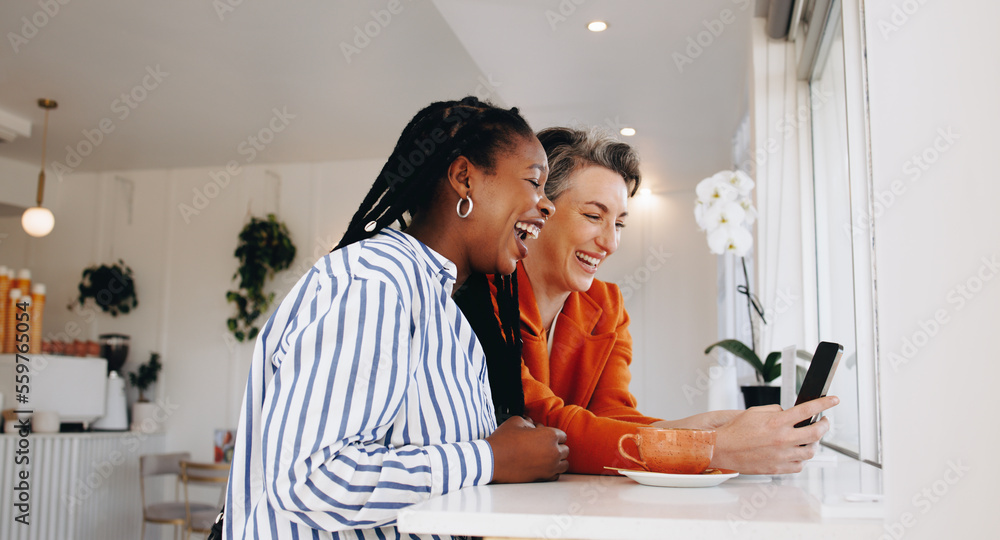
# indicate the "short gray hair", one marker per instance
pixel 570 150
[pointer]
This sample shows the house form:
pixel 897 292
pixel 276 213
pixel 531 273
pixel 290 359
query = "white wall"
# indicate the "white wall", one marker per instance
pixel 933 69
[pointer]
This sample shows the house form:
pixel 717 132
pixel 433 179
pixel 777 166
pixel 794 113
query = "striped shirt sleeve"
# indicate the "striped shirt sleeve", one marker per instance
pixel 342 373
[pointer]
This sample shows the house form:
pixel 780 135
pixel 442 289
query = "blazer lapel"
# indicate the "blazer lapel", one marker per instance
pixel 578 353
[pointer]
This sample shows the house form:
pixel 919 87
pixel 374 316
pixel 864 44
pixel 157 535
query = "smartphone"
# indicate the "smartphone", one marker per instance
pixel 819 376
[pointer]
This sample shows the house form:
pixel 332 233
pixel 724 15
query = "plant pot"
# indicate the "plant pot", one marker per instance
pixel 755 396
pixel 144 417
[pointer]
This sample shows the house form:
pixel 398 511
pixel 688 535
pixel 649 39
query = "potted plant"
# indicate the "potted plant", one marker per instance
pixel 725 212
pixel 264 247
pixel 766 371
pixel 110 287
pixel 143 411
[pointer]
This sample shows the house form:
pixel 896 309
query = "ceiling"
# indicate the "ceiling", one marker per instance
pixel 186 83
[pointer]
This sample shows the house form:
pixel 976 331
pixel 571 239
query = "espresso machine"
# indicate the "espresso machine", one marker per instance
pixel 114 349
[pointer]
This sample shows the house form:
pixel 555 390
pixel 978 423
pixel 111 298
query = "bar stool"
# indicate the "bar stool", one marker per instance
pixel 200 516
pixel 167 512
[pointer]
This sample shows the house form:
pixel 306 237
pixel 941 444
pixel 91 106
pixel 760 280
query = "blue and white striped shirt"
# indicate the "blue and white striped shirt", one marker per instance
pixel 368 392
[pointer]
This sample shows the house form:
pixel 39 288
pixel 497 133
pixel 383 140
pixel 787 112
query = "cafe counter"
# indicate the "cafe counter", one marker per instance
pixel 79 486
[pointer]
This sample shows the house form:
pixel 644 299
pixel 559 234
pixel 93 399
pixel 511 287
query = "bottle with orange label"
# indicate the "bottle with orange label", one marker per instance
pixel 37 315
pixel 23 282
pixel 10 322
pixel 5 282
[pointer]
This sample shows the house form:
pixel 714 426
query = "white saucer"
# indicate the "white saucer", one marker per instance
pixel 647 478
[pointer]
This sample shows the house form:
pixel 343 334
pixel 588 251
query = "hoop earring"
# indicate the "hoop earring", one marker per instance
pixel 458 209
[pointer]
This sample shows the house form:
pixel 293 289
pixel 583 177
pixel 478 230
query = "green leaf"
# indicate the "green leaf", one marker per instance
pixel 774 373
pixel 772 368
pixel 737 347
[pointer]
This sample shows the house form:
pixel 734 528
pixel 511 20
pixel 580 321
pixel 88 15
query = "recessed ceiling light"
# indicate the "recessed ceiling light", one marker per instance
pixel 645 192
pixel 628 132
pixel 597 26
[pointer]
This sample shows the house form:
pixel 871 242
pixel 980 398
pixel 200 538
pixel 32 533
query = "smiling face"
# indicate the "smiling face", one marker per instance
pixel 509 207
pixel 583 232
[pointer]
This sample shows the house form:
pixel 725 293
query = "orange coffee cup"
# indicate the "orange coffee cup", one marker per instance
pixel 673 451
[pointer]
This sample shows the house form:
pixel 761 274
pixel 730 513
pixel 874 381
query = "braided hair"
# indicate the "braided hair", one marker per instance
pixel 407 185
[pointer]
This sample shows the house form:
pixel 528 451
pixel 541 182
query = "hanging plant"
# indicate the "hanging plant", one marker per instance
pixel 264 248
pixel 111 288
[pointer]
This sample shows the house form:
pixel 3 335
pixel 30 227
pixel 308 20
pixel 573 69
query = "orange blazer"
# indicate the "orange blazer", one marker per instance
pixel 582 388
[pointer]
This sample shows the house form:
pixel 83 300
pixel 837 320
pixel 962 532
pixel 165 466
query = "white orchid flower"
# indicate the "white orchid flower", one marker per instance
pixel 730 238
pixel 748 208
pixel 722 214
pixel 740 181
pixel 699 214
pixel 714 190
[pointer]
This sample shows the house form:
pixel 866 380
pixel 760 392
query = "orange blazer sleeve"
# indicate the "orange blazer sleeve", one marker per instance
pixel 592 440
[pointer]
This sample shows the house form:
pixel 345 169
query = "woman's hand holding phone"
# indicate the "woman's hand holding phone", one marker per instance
pixel 764 440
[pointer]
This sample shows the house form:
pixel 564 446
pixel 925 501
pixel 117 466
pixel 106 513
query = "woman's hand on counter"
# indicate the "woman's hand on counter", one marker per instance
pixel 523 452
pixel 764 440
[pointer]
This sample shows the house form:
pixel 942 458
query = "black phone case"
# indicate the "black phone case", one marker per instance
pixel 819 376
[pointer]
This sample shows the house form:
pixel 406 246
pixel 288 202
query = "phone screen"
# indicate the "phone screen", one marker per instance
pixel 820 375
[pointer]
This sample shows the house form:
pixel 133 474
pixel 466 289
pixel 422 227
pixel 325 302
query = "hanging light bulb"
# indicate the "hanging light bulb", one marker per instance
pixel 38 221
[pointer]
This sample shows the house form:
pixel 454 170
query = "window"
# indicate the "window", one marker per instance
pixel 842 202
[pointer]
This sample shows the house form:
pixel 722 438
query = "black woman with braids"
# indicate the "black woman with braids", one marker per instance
pixel 369 390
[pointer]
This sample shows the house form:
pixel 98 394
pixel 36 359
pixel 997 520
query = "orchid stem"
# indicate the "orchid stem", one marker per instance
pixel 746 278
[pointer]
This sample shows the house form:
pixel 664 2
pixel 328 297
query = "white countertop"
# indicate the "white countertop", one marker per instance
pixel 809 505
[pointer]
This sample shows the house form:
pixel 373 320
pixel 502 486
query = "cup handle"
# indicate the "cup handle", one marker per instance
pixel 626 455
